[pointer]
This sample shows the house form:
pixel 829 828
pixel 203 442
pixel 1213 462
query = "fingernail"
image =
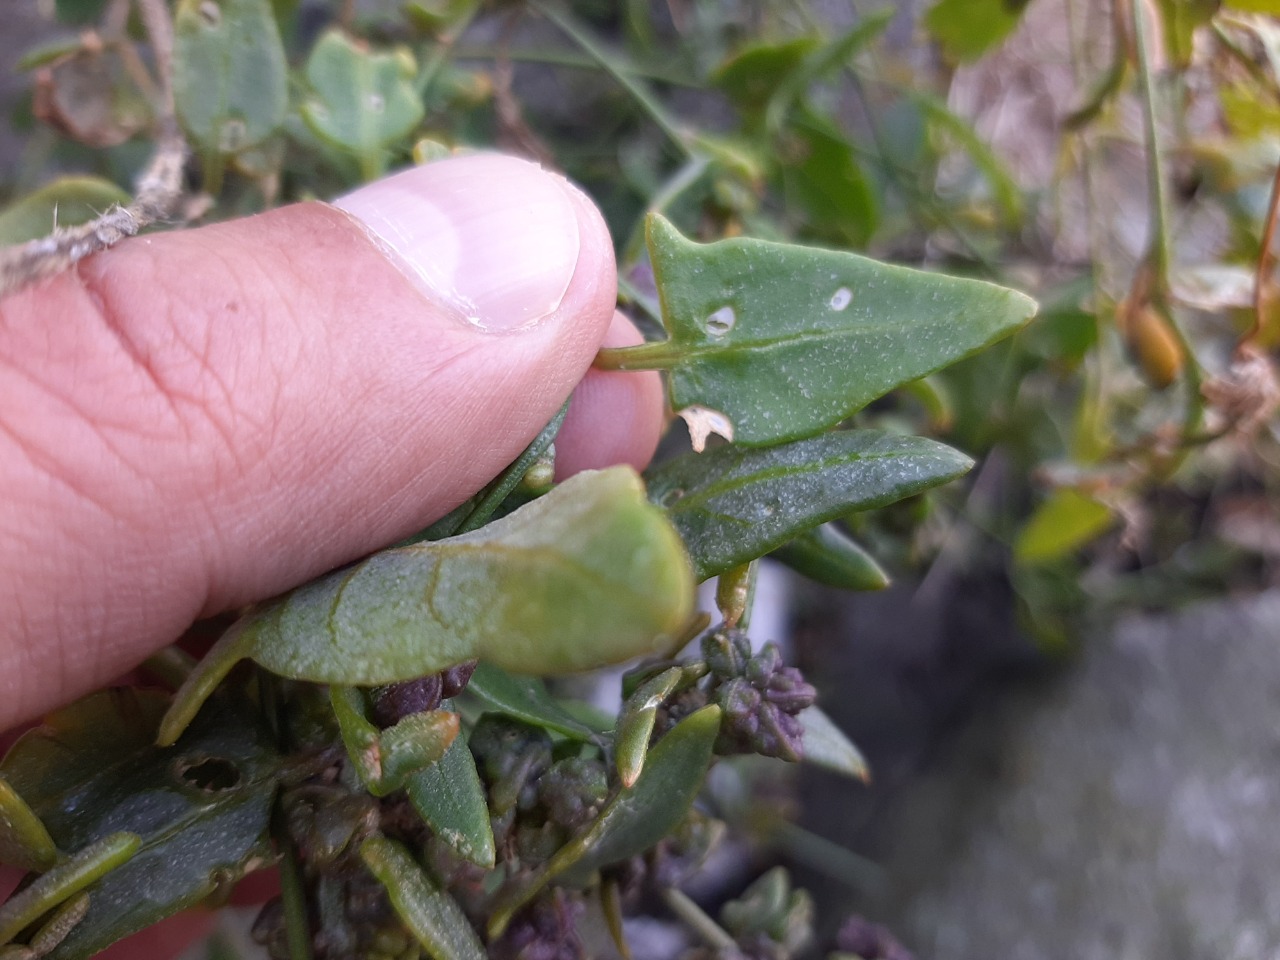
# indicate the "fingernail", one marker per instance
pixel 492 237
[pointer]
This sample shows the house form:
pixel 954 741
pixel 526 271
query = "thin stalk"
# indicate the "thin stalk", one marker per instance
pixel 171 666
pixel 511 477
pixel 736 594
pixel 1095 379
pixel 697 920
pixel 1160 256
pixel 921 203
pixel 441 50
pixel 684 178
pixel 1264 264
pixel 297 925
pixel 558 58
pixel 646 100
pixel 662 355
pixel 651 307
pixel 1160 241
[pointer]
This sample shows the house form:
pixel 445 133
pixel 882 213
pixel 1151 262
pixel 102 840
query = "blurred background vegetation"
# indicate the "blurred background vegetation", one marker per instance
pixel 1117 159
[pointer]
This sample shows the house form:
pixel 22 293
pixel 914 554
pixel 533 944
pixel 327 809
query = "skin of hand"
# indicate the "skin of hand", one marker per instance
pixel 197 420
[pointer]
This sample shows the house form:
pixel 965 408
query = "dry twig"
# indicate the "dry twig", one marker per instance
pixel 157 190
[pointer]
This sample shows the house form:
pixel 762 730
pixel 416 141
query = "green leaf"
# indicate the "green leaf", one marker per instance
pixel 733 504
pixel 363 101
pixel 53 929
pixel 825 745
pixel 385 759
pixel 431 915
pixel 828 555
pixel 753 75
pixel 48 52
pixel 827 180
pixel 24 842
pixel 451 800
pixel 634 819
pixel 527 699
pixel 201 808
pixel 1064 522
pixel 64 881
pixel 1181 19
pixel 969 28
pixel 588 575
pixel 832 55
pixel 785 341
pixel 230 79
pixel 66 202
pixel 635 723
pixel 79 13
pixel 1004 188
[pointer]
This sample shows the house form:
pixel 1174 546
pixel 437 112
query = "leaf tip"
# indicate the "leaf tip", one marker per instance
pixel 1025 306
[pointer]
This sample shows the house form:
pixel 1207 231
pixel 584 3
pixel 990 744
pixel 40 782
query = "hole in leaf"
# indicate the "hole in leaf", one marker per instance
pixel 211 775
pixel 721 322
pixel 841 298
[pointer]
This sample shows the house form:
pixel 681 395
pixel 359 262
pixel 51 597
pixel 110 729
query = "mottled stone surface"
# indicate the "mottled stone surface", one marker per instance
pixel 1134 811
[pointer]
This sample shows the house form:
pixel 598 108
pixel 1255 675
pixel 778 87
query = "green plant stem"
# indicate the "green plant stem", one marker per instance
pixel 1095 368
pixel 592 48
pixel 441 50
pixel 1263 271
pixel 512 476
pixel 60 883
pixel 171 666
pixel 662 355
pixel 922 204
pixel 1160 256
pixel 684 178
pixel 838 862
pixel 651 307
pixel 697 920
pixel 1160 241
pixel 297 925
pixel 557 58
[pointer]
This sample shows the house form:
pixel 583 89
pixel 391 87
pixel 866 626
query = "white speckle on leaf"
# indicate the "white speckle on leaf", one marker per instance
pixel 703 422
pixel 841 298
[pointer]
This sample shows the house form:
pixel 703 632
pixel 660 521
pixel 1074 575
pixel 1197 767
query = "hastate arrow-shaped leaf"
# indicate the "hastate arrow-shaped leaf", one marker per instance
pixel 785 341
pixel 733 504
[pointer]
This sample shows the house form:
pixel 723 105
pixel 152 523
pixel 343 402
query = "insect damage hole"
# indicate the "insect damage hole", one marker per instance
pixel 721 322
pixel 702 423
pixel 212 774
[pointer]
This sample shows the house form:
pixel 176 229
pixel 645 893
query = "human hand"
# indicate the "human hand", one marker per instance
pixel 197 420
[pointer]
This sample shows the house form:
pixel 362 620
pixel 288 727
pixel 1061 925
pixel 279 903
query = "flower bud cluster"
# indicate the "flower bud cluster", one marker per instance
pixel 761 697
pixel 395 701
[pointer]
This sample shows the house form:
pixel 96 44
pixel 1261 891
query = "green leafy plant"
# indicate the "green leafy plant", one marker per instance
pixel 392 746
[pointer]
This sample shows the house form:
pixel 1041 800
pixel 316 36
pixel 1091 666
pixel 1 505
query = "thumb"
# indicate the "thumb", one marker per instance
pixel 196 420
